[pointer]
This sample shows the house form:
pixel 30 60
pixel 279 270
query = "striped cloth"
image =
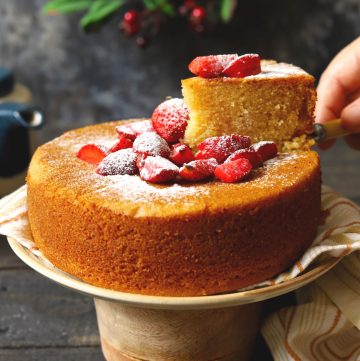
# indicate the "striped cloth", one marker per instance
pixel 325 325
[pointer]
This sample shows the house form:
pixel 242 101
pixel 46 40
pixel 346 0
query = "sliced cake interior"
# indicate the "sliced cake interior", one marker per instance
pixel 276 104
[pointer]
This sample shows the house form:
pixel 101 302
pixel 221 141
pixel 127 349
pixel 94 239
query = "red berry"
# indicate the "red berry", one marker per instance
pixel 245 65
pixel 211 66
pixel 121 162
pixel 140 159
pixel 131 16
pixel 158 170
pixel 267 150
pixel 181 154
pixel 198 169
pixel 233 171
pixel 250 154
pixel 170 119
pixel 198 14
pixel 93 153
pixel 132 130
pixel 151 144
pixel 122 143
pixel 221 147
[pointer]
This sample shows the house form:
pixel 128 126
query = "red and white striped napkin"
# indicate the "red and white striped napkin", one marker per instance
pixel 325 325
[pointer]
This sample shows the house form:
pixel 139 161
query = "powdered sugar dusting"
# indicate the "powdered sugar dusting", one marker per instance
pixel 121 162
pixel 151 143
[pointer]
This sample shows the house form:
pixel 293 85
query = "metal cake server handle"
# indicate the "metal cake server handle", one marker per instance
pixel 329 130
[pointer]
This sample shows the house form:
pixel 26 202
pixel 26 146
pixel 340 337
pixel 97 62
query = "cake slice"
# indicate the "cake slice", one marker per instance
pixel 277 104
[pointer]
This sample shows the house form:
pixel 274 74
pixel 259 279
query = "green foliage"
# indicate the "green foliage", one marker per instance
pixel 97 10
pixel 227 9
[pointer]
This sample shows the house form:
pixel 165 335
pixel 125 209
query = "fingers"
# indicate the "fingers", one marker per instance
pixel 340 79
pixel 350 116
pixel 353 141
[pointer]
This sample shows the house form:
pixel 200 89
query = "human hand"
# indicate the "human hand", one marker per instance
pixel 339 93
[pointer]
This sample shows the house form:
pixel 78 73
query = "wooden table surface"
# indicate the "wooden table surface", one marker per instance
pixel 40 320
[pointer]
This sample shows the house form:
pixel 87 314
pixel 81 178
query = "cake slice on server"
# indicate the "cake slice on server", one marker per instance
pixel 263 99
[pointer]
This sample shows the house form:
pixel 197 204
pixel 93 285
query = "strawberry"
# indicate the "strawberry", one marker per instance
pixel 170 119
pixel 198 169
pixel 180 154
pixel 221 147
pixel 121 162
pixel 267 150
pixel 211 66
pixel 122 143
pixel 245 65
pixel 151 144
pixel 140 158
pixel 158 170
pixel 250 154
pixel 93 153
pixel 132 130
pixel 234 171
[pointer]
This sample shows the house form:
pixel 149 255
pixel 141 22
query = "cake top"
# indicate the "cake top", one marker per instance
pixel 56 166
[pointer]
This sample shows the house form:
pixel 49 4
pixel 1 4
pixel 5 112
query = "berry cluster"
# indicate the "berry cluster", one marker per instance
pixel 145 24
pixel 154 150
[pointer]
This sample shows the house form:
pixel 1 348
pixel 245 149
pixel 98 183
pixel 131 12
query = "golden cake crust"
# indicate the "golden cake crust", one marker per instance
pixel 122 233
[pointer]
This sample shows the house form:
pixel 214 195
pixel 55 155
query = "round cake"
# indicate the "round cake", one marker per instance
pixel 176 239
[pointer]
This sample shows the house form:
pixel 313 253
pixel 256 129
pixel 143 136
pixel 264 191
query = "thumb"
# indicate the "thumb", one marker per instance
pixel 350 116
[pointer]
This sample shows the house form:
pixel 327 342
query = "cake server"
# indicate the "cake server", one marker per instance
pixel 329 130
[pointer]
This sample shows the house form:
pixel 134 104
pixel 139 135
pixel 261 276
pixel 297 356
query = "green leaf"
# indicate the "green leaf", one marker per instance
pixel 99 10
pixel 227 9
pixel 163 5
pixel 67 6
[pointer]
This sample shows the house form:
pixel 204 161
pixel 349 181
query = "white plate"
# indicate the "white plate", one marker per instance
pixel 161 302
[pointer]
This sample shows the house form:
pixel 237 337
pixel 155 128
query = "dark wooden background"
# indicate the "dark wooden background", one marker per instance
pixel 80 79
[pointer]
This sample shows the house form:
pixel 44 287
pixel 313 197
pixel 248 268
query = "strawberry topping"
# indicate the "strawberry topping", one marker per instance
pixel 234 171
pixel 221 147
pixel 170 119
pixel 198 169
pixel 211 66
pixel 250 154
pixel 151 144
pixel 122 143
pixel 267 150
pixel 158 170
pixel 121 162
pixel 140 158
pixel 180 154
pixel 245 65
pixel 93 153
pixel 132 130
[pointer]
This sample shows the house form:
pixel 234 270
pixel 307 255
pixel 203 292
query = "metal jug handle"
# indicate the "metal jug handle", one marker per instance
pixel 29 117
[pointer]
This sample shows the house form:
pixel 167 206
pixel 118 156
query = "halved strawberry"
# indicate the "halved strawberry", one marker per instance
pixel 121 143
pixel 140 159
pixel 93 153
pixel 180 154
pixel 132 130
pixel 151 144
pixel 198 169
pixel 170 119
pixel 211 66
pixel 158 170
pixel 221 147
pixel 267 150
pixel 234 171
pixel 250 154
pixel 245 65
pixel 121 162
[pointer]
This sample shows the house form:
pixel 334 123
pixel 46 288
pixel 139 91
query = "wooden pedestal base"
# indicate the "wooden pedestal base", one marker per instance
pixel 132 333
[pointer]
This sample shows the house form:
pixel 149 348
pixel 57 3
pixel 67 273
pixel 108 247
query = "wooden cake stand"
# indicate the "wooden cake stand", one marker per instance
pixel 138 327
